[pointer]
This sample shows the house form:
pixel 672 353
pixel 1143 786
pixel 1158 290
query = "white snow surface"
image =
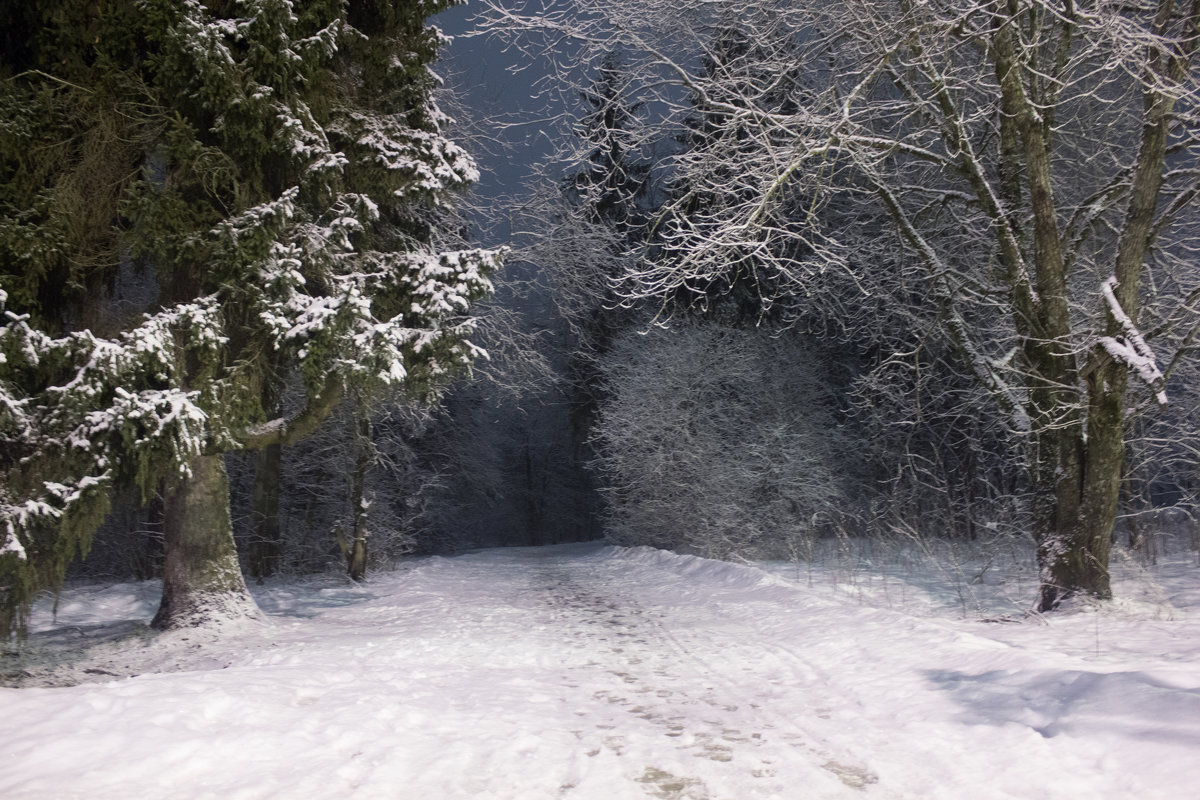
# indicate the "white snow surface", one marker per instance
pixel 603 673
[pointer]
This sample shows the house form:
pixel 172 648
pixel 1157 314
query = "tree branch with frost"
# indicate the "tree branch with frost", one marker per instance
pixel 983 368
pixel 83 414
pixel 289 430
pixel 1186 343
pixel 996 103
pixel 1131 349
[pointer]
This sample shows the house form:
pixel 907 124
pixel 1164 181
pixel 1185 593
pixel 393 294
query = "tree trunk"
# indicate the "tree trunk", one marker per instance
pixel 1076 558
pixel 1075 479
pixel 1102 481
pixel 364 456
pixel 264 547
pixel 1076 472
pixel 202 580
pixel 1074 523
pixel 533 500
pixel 149 557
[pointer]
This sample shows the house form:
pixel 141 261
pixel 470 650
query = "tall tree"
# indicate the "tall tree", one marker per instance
pixel 1034 159
pixel 277 168
pixel 599 208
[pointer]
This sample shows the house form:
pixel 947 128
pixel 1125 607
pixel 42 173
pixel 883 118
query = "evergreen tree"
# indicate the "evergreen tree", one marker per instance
pixel 276 169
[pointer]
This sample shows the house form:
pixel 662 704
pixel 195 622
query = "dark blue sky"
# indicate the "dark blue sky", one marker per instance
pixel 498 105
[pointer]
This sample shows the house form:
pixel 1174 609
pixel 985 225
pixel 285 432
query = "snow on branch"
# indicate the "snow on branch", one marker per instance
pixel 1131 349
pixel 89 404
pixel 12 543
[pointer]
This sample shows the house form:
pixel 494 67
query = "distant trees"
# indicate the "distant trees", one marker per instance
pixel 275 171
pixel 721 441
pixel 1013 178
pixel 984 210
pixel 598 211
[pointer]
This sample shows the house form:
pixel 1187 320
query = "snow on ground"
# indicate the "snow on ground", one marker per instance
pixel 601 673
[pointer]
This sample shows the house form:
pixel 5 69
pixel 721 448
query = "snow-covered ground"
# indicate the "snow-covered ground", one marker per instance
pixel 596 673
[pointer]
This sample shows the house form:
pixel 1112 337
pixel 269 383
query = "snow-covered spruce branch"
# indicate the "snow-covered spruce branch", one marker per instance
pixel 100 419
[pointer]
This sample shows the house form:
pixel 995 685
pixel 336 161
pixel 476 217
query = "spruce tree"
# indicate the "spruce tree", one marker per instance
pixel 275 169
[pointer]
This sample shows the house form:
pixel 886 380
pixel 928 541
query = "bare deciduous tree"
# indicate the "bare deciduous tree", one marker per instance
pixel 1035 161
pixel 718 440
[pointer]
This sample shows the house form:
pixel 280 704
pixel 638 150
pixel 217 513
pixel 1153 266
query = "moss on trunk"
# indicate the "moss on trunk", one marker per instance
pixel 202 579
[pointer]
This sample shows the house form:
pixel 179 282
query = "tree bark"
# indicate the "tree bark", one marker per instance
pixel 1081 562
pixel 264 547
pixel 364 456
pixel 1057 455
pixel 202 580
pixel 1076 473
pixel 149 558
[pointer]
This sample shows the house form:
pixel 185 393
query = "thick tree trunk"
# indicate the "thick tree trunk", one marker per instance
pixel 1059 461
pixel 1102 481
pixel 1056 473
pixel 202 580
pixel 1075 558
pixel 1075 504
pixel 264 547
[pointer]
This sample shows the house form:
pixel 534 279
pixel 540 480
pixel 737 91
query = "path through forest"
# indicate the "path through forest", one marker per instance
pixel 595 674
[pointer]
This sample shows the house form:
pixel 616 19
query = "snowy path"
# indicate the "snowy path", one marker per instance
pixel 603 674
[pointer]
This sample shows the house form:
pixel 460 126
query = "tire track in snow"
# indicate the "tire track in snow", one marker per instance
pixel 712 694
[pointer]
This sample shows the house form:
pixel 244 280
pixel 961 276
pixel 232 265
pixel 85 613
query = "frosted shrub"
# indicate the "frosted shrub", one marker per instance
pixel 718 441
